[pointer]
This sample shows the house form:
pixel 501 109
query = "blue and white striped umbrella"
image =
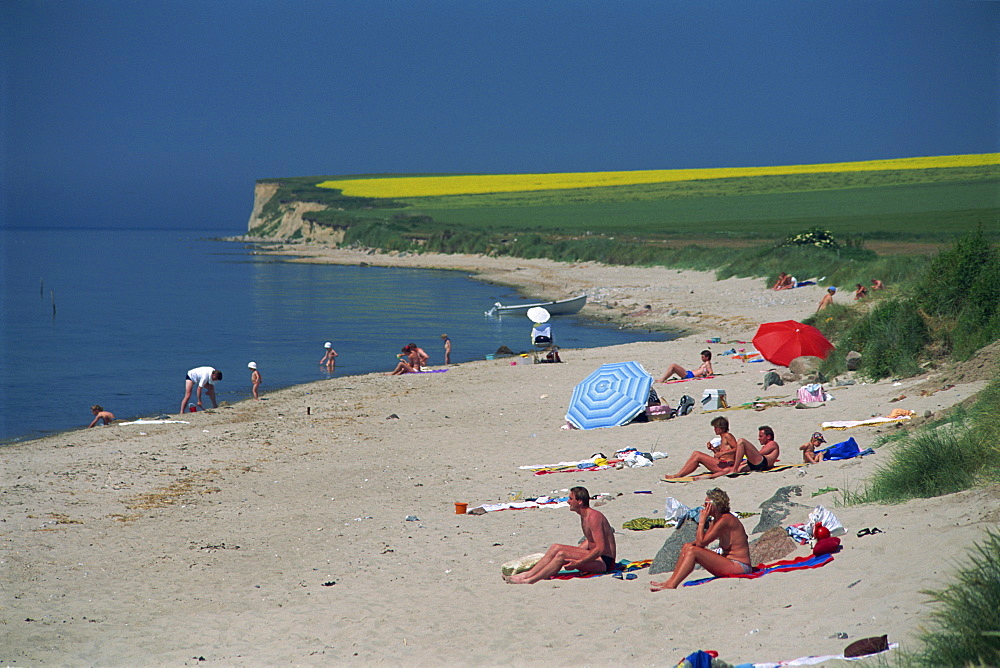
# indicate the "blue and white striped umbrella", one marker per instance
pixel 611 396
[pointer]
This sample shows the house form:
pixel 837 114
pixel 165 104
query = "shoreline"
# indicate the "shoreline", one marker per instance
pixel 319 527
pixel 684 301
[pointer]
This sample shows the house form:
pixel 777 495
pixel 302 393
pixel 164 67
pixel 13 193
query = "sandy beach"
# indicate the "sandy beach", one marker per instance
pixel 318 526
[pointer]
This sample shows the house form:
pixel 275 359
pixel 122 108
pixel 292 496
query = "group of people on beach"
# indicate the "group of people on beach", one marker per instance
pixel 597 552
pixel 202 379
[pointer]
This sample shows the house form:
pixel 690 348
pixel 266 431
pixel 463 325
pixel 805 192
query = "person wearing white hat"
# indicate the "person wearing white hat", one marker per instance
pixel 255 379
pixel 329 359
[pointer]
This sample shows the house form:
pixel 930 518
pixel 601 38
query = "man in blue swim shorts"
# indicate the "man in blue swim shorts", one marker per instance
pixel 704 371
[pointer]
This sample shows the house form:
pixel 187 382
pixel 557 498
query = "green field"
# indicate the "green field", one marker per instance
pixel 906 205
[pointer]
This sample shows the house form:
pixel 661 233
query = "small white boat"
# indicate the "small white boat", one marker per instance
pixel 561 307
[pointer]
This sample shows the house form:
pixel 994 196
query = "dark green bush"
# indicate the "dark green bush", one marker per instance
pixel 965 629
pixel 890 339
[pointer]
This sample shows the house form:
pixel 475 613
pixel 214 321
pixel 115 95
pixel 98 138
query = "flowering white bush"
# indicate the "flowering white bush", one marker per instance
pixel 814 237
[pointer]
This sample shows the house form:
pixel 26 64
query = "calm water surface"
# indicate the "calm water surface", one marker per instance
pixel 135 309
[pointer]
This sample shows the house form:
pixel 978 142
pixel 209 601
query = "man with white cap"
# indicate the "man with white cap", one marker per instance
pixel 329 357
pixel 254 378
pixel 203 377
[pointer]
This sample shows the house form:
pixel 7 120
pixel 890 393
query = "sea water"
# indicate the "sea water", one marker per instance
pixel 117 318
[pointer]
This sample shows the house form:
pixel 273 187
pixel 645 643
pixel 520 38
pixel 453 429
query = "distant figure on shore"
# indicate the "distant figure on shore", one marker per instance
pixel 329 359
pixel 723 455
pixel 99 415
pixel 422 356
pixel 784 282
pixel 877 284
pixel 703 371
pixel 809 454
pixel 860 292
pixel 201 377
pixel 255 379
pixel 404 363
pixel 827 299
pixel 447 348
pixel 733 555
pixel 645 310
pixel 597 553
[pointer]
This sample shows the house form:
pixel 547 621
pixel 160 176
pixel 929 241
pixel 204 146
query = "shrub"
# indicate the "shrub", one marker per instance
pixel 940 459
pixel 965 627
pixel 890 339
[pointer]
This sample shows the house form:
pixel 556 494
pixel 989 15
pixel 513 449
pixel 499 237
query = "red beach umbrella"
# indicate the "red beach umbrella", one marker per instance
pixel 781 342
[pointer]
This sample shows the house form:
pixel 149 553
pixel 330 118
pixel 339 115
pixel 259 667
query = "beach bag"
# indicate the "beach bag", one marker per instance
pixel 843 450
pixel 811 393
pixel 826 518
pixel 675 509
pixel 685 405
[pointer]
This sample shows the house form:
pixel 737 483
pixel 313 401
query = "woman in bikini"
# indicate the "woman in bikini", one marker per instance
pixel 733 554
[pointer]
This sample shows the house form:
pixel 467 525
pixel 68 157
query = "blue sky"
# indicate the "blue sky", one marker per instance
pixel 152 113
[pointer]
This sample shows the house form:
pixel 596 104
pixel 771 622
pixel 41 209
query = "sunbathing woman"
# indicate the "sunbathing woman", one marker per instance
pixel 404 365
pixel 704 371
pixel 733 556
pixel 722 457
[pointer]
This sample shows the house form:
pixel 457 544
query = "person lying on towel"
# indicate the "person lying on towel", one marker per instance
pixel 596 554
pixel 701 372
pixel 733 555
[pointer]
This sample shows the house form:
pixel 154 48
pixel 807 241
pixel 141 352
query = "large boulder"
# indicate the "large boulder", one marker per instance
pixel 804 366
pixel 666 558
pixel 853 360
pixel 774 511
pixel 770 546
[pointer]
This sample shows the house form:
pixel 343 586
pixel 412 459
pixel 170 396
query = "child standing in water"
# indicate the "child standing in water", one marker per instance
pixel 100 414
pixel 447 349
pixel 329 357
pixel 255 379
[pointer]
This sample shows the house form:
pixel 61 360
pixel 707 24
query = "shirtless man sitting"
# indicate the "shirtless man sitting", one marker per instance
pixel 733 556
pixel 784 282
pixel 703 371
pixel 723 455
pixel 596 554
pixel 758 459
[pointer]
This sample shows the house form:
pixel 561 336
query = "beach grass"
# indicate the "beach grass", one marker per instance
pixel 939 459
pixel 965 624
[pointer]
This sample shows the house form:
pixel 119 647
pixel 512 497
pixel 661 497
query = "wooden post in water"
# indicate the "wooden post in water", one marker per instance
pixel 41 288
pixel 53 293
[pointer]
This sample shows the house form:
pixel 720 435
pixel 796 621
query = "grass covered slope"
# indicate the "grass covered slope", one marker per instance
pixel 919 199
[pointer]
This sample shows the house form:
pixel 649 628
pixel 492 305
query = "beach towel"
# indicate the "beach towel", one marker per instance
pixel 684 380
pixel 621 567
pixel 760 570
pixel 851 424
pixel 122 424
pixel 699 476
pixel 843 450
pixel 814 660
pixel 520 505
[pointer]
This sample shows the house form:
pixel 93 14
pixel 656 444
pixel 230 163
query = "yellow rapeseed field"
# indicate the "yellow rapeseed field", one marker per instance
pixel 427 186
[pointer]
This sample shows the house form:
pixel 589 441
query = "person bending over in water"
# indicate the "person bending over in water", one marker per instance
pixel 596 554
pixel 733 555
pixel 703 371
pixel 100 414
